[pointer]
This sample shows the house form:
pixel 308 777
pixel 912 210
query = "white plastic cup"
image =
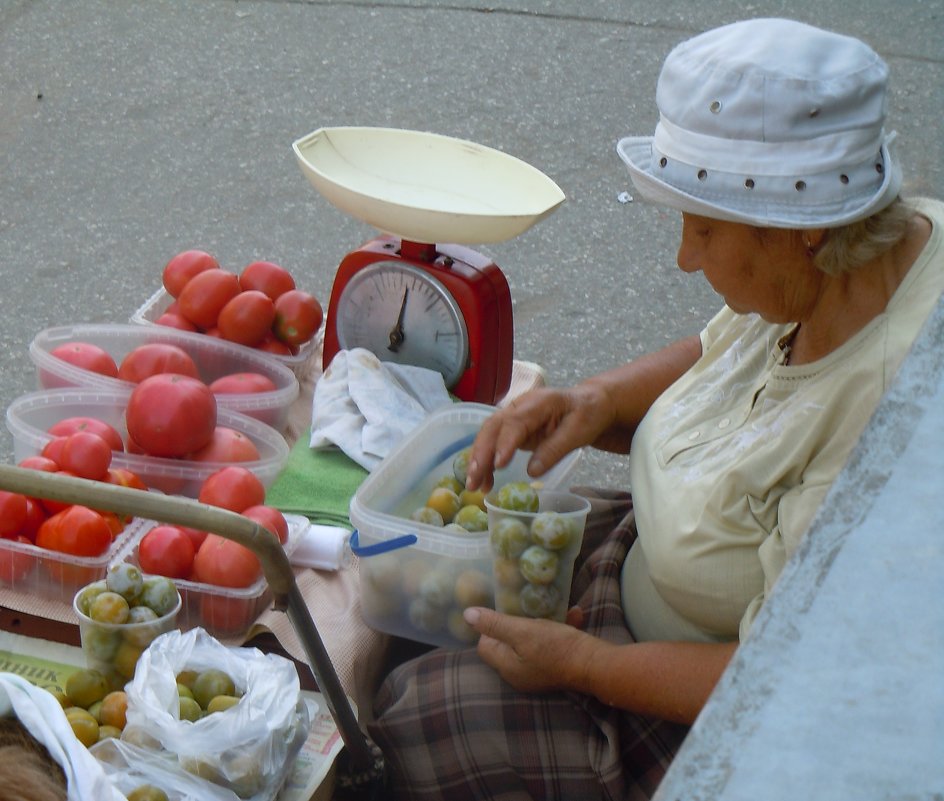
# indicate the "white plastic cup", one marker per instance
pixel 533 554
pixel 113 649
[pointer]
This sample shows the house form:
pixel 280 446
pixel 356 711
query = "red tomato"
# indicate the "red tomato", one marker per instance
pixel 122 477
pixel 134 448
pixel 171 415
pixel 107 432
pixel 242 383
pixel 247 318
pixel 84 355
pixel 115 523
pixel 184 266
pixel 13 513
pixel 196 536
pixel 225 563
pixel 234 488
pixel 298 317
pixel 227 445
pixel 15 564
pixel 43 463
pixel 35 515
pixel 205 295
pixel 222 615
pixel 178 321
pixel 271 344
pixel 76 530
pixel 86 455
pixel 269 517
pixel 166 551
pixel 52 450
pixel 268 277
pixel 155 358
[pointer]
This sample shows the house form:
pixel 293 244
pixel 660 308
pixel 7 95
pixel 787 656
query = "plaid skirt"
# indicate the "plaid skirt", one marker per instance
pixel 450 727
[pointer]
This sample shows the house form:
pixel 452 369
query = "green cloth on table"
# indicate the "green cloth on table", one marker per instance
pixel 318 484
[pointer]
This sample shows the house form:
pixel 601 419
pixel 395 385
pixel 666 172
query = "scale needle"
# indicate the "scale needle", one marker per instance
pixel 396 333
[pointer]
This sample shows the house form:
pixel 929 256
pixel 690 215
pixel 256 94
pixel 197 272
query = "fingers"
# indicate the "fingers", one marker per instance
pixel 516 427
pixel 500 436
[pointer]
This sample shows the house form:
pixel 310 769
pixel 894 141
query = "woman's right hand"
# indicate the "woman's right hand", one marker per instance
pixel 549 422
pixel 602 411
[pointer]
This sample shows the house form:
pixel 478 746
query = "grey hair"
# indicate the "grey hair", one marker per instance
pixel 850 246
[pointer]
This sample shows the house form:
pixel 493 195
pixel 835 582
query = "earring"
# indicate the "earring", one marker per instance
pixel 810 252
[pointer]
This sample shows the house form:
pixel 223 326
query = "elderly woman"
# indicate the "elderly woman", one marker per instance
pixel 771 145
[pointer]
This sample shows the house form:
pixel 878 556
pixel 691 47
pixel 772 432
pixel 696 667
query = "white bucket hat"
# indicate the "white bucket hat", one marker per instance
pixel 769 122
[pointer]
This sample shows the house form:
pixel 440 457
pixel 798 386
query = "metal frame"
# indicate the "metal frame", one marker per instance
pixel 360 773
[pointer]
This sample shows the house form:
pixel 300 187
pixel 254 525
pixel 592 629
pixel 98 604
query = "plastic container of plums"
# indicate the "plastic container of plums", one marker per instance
pixel 417 577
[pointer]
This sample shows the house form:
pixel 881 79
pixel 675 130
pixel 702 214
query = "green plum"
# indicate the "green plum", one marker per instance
pixel 517 496
pixel 539 565
pixel 471 518
pixel 126 579
pixel 460 465
pixel 539 600
pixel 552 530
pixel 160 594
pixel 428 515
pixel 509 537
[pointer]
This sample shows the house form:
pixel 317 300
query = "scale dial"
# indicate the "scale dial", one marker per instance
pixel 405 315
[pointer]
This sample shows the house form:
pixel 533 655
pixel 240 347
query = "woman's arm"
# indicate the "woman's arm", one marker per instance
pixel 666 680
pixel 602 411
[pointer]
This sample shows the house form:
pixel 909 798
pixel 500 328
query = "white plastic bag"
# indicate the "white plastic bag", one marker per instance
pixel 248 748
pixel 129 766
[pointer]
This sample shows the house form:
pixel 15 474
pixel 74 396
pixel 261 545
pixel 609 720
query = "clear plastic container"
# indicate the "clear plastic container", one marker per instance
pixel 156 305
pixel 113 648
pixel 416 578
pixel 30 416
pixel 225 612
pixel 214 358
pixel 42 573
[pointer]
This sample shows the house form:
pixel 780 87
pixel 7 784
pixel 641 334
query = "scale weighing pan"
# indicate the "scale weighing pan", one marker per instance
pixel 425 187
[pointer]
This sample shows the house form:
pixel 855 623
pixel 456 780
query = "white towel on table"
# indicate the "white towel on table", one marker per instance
pixel 365 406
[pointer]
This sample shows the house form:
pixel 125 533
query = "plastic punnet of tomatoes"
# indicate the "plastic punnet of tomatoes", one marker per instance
pixel 30 417
pixel 244 379
pixel 56 575
pixel 155 306
pixel 226 612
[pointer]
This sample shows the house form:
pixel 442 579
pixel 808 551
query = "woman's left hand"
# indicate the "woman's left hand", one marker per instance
pixel 534 655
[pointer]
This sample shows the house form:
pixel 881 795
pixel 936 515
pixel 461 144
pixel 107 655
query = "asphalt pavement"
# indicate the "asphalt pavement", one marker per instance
pixel 132 130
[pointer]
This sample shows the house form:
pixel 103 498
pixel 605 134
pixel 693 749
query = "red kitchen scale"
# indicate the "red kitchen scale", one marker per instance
pixel 417 294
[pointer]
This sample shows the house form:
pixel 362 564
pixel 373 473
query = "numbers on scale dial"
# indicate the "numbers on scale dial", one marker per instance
pixel 403 314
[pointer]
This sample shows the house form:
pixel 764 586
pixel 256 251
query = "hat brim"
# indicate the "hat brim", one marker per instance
pixel 636 153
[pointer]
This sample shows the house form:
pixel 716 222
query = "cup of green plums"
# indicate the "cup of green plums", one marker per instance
pixel 535 537
pixel 120 615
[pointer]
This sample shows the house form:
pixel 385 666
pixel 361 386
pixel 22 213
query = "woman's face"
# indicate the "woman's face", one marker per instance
pixel 766 272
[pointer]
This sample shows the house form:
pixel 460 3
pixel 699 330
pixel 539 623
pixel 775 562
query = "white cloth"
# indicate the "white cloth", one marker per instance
pixel 365 406
pixel 45 719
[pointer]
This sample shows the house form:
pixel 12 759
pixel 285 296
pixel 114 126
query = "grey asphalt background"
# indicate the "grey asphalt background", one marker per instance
pixel 132 130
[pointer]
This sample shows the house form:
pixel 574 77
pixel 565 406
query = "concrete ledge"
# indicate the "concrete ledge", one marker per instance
pixel 839 691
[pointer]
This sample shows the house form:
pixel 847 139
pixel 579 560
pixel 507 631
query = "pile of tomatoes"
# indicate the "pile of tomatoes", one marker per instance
pixel 260 307
pixel 71 529
pixel 178 552
pixel 143 361
pixel 170 413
